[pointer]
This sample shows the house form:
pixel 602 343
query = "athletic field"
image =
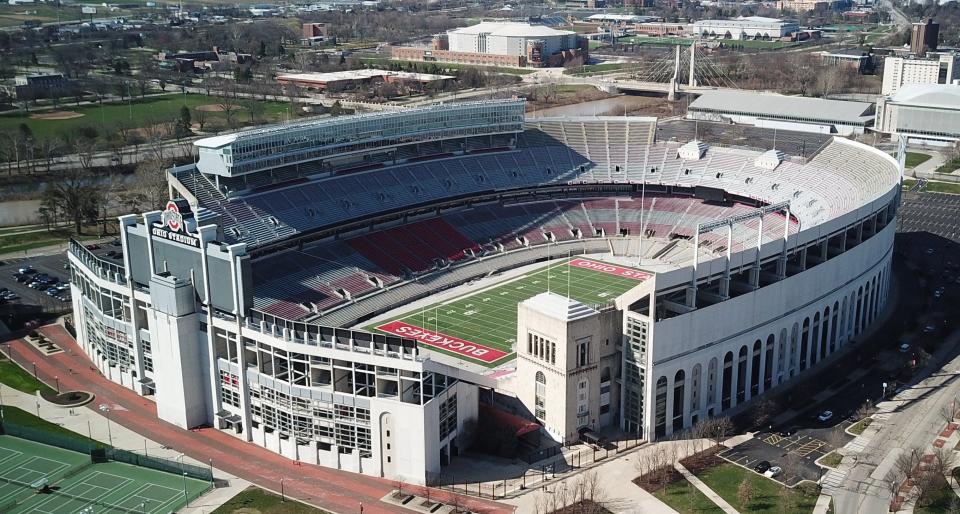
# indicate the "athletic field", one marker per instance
pixel 78 486
pixel 481 327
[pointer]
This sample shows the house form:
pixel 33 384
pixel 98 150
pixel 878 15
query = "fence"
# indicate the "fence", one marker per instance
pixel 89 446
pixel 537 474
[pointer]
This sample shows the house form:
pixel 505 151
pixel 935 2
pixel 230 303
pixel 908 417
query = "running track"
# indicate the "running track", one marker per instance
pixel 331 489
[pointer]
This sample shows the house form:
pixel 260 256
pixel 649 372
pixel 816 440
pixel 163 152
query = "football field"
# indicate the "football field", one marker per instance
pixel 481 327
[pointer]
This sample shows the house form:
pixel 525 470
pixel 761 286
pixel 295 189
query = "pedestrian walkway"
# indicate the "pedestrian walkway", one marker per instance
pixel 709 493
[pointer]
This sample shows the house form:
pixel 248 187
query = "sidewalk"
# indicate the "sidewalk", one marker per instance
pixel 709 493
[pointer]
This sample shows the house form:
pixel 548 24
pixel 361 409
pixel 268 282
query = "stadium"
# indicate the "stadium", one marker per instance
pixel 354 292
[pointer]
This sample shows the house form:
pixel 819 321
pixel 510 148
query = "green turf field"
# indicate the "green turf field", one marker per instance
pixel 78 486
pixel 489 317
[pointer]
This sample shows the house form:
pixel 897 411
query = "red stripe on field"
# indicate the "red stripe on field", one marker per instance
pixel 610 269
pixel 443 341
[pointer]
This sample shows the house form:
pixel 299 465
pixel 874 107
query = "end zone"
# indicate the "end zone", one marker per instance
pixel 443 342
pixel 610 269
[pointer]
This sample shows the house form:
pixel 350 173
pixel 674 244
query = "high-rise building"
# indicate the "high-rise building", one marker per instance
pixel 924 37
pixel 939 68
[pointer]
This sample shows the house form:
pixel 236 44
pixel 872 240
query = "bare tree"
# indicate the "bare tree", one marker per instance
pixel 908 461
pixel 948 412
pixel 944 460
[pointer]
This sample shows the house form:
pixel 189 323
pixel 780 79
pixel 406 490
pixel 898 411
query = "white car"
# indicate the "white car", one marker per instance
pixel 773 472
pixel 825 416
pixel 904 347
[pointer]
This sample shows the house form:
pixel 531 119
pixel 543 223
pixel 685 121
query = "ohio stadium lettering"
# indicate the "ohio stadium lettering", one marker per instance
pixel 610 269
pixel 176 237
pixel 443 341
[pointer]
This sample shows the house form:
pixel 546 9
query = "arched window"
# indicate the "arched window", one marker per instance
pixel 660 408
pixel 678 391
pixel 540 400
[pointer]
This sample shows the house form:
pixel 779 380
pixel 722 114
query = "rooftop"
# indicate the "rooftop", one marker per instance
pixel 944 96
pixel 510 29
pixel 770 104
pixel 559 307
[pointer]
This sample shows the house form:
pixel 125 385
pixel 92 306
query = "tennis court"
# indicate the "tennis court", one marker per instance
pixel 76 485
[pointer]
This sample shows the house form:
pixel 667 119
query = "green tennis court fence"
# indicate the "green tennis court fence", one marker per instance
pixel 160 464
pixel 89 447
pixel 77 444
pixel 56 492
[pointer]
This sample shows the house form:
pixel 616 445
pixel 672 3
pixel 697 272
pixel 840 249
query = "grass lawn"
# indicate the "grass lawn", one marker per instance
pixel 682 496
pixel 858 427
pixel 768 496
pixel 949 166
pixel 16 377
pixel 30 240
pixel 139 113
pixel 489 318
pixel 915 159
pixel 938 502
pixel 831 460
pixel 255 500
pixel 935 187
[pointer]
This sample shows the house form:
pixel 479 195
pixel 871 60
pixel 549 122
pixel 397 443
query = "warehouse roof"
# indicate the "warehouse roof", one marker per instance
pixel 945 96
pixel 774 105
pixel 509 28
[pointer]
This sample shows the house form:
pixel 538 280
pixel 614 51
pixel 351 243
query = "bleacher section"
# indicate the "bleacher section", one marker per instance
pixel 550 151
pixel 332 273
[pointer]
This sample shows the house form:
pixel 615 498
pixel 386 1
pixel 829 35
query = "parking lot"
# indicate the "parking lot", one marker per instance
pixel 23 303
pixel 935 213
pixel 796 450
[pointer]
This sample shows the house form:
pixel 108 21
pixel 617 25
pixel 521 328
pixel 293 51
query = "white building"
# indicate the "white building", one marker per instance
pixel 749 27
pixel 935 69
pixel 928 113
pixel 570 350
pixel 770 110
pixel 510 38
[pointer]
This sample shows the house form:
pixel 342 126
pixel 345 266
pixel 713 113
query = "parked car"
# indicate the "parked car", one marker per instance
pixel 762 466
pixel 27 270
pixel 904 347
pixel 787 432
pixel 773 472
pixel 93 246
pixel 929 328
pixel 825 416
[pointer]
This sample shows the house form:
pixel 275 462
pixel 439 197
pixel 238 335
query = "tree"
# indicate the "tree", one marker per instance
pixel 74 196
pixel 150 184
pixel 182 127
pixel 745 493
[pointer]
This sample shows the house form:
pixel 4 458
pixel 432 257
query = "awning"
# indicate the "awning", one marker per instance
pixel 520 425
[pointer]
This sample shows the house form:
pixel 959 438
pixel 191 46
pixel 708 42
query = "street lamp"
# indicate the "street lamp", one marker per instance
pixel 185 485
pixel 106 413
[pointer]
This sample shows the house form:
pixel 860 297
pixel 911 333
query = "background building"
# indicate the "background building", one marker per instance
pixel 856 58
pixel 939 68
pixel 33 87
pixel 501 43
pixel 750 27
pixel 928 113
pixel 340 80
pixel 784 112
pixel 924 36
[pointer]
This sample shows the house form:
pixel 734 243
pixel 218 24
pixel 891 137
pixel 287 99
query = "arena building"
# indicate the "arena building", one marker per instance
pixel 288 292
pixel 748 27
pixel 501 43
pixel 925 114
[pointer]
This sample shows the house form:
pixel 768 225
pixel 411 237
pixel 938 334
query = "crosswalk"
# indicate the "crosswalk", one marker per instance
pixel 832 480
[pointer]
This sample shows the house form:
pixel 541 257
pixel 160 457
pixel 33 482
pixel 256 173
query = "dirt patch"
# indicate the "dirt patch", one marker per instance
pixel 701 461
pixel 659 478
pixel 69 398
pixel 217 107
pixel 56 115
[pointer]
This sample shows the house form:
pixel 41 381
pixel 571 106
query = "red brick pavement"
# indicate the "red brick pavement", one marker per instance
pixel 339 491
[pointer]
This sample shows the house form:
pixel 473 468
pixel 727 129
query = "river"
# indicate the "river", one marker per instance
pixel 615 106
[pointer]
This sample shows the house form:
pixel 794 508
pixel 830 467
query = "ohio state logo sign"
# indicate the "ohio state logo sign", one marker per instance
pixel 171 217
